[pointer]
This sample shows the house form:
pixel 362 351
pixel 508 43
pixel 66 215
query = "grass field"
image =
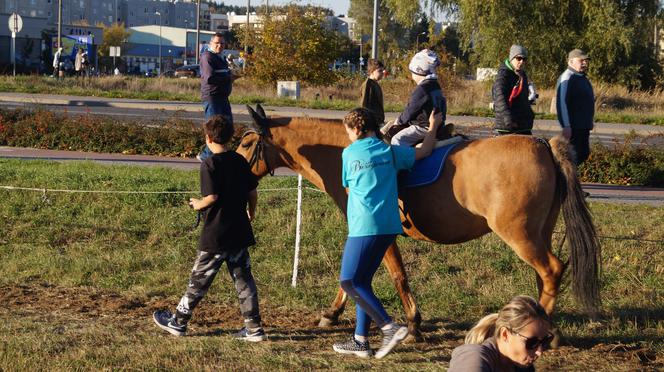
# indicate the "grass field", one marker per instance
pixel 81 274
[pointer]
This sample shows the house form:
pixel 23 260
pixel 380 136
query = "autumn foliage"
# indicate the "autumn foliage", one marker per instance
pixel 294 45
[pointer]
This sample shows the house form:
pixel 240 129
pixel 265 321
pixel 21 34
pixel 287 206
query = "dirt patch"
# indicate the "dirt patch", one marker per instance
pixel 441 335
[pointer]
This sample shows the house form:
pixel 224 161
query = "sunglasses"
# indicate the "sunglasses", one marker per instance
pixel 532 343
pixel 519 58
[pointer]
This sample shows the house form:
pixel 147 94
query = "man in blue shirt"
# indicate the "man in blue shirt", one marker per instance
pixel 575 104
pixel 216 84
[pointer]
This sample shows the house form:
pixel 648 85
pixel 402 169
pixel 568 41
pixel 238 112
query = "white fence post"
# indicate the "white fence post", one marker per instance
pixel 298 219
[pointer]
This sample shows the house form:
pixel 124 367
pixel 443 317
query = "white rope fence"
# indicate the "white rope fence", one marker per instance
pixel 298 218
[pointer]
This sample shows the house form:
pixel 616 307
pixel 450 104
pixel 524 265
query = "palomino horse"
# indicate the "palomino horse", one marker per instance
pixel 511 185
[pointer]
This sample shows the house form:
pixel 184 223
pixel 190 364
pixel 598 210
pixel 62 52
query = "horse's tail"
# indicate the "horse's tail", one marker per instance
pixel 585 252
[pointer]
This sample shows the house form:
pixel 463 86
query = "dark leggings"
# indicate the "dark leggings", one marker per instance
pixel 361 258
pixel 205 269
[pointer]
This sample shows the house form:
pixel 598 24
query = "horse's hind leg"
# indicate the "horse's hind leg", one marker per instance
pixel 331 316
pixel 537 253
pixel 394 264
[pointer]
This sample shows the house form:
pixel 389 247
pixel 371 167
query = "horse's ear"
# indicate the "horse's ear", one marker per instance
pixel 260 111
pixel 255 116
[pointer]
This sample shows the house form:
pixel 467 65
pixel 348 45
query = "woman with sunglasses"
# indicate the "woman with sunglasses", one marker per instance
pixel 510 95
pixel 510 340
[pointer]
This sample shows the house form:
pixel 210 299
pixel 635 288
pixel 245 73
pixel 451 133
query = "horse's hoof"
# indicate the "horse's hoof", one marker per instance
pixel 327 322
pixel 414 335
pixel 558 338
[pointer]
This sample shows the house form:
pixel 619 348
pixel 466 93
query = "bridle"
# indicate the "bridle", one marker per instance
pixel 259 151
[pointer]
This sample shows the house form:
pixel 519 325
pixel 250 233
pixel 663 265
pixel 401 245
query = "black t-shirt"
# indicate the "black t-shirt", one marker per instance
pixel 227 227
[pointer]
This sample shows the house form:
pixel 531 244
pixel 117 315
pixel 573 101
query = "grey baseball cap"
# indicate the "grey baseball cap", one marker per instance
pixel 577 53
pixel 518 50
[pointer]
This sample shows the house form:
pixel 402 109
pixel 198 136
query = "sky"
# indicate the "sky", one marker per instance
pixel 339 6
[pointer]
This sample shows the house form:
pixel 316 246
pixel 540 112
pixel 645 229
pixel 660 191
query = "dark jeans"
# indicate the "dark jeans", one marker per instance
pixel 215 106
pixel 580 141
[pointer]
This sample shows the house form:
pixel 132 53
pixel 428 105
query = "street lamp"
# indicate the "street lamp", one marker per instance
pixel 159 14
pixel 417 40
pixel 186 34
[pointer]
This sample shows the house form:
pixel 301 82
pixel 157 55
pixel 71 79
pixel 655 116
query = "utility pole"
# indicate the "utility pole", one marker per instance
pixel 198 30
pixel 160 70
pixel 374 39
pixel 246 38
pixel 59 23
pixel 246 34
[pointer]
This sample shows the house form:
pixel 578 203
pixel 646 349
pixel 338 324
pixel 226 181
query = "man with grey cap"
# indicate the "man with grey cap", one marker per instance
pixel 575 104
pixel 510 95
pixel 425 98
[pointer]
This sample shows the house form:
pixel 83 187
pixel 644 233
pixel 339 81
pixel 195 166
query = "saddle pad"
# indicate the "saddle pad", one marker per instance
pixel 427 170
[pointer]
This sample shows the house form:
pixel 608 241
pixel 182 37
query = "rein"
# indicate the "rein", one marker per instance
pixel 259 153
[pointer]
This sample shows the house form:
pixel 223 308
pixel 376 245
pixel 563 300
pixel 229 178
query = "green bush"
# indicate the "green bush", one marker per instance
pixel 48 130
pixel 624 164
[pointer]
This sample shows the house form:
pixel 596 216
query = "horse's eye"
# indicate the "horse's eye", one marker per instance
pixel 246 145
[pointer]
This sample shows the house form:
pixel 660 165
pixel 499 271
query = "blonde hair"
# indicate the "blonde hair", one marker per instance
pixel 517 314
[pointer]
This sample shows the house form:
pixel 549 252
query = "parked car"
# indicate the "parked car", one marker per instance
pixel 188 71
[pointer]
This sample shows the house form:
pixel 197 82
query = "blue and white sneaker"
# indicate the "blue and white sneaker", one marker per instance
pixel 391 337
pixel 354 347
pixel 166 321
pixel 253 335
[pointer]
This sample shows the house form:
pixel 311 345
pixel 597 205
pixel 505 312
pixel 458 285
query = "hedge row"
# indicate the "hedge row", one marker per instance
pixel 623 163
pixel 48 130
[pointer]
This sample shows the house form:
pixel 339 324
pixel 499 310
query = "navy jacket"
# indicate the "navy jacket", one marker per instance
pixel 215 76
pixel 422 101
pixel 575 100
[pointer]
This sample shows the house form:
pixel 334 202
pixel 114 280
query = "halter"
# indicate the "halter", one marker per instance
pixel 259 152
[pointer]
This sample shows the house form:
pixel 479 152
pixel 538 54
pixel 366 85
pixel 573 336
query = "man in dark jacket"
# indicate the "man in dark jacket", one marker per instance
pixel 216 84
pixel 510 95
pixel 575 104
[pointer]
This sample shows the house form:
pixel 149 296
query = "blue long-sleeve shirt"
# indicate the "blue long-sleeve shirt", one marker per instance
pixel 215 76
pixel 575 100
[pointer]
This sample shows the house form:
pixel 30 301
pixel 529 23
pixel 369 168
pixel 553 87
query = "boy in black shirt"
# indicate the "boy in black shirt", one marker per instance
pixel 228 188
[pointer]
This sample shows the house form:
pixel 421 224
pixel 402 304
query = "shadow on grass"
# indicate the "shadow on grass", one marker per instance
pixel 637 316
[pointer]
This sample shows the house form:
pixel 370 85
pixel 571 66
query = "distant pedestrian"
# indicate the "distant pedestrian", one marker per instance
pixel 216 83
pixel 57 63
pixel 509 340
pixel 372 94
pixel 229 203
pixel 510 94
pixel 575 104
pixel 78 62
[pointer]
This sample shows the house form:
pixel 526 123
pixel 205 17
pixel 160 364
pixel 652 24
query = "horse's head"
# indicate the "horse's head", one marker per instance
pixel 256 144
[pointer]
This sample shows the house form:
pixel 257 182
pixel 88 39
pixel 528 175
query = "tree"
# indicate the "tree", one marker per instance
pixel 294 45
pixel 616 33
pixel 114 35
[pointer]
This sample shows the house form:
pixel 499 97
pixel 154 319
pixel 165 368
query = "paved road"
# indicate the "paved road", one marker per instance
pixel 598 192
pixel 136 109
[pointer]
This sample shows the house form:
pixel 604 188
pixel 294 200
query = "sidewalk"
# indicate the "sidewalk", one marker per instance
pixel 238 109
pixel 598 192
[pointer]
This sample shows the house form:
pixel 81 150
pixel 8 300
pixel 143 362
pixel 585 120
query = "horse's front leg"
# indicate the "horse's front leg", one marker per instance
pixel 331 316
pixel 394 264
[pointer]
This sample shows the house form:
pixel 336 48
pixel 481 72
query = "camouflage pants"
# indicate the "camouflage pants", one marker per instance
pixel 205 269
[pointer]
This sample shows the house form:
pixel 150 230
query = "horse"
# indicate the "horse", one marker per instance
pixel 512 185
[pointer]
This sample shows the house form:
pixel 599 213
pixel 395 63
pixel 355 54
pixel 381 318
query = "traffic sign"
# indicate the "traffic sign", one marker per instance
pixel 15 23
